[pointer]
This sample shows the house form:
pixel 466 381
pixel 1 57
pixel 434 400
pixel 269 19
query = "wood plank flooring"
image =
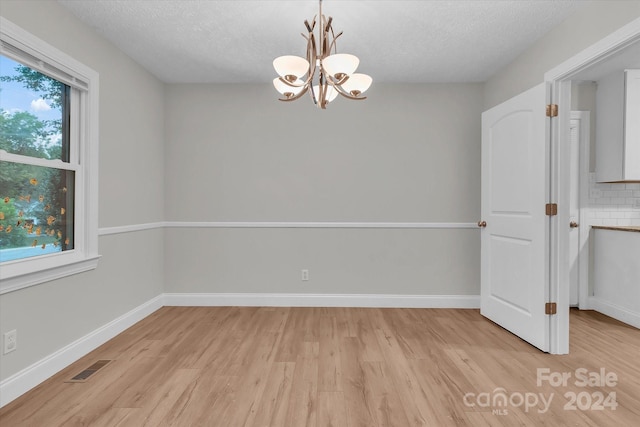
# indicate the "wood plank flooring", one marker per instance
pixel 353 367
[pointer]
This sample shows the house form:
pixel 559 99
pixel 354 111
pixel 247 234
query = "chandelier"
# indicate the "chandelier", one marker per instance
pixel 323 74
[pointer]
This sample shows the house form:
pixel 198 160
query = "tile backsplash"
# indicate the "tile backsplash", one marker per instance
pixel 613 204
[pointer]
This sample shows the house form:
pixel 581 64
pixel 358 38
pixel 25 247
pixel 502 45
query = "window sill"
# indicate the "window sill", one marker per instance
pixel 73 264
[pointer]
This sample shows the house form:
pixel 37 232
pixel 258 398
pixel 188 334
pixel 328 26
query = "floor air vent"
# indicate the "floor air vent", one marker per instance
pixel 84 375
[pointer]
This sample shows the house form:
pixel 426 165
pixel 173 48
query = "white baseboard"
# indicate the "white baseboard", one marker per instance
pixel 612 310
pixel 23 381
pixel 322 300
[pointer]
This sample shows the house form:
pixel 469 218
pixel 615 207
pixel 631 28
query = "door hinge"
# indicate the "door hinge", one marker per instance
pixel 552 110
pixel 551 209
pixel 550 308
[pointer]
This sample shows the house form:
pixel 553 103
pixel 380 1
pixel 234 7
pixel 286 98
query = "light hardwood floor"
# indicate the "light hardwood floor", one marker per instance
pixel 231 366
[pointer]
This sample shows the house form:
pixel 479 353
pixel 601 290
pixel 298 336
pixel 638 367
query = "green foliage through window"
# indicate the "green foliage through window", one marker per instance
pixel 36 202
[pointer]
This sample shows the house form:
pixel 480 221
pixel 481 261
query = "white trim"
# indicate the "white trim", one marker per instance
pixel 275 224
pixel 43 57
pixel 56 271
pixel 105 231
pixel 35 161
pixel 558 254
pixel 612 310
pixel 23 381
pixel 597 52
pixel 321 300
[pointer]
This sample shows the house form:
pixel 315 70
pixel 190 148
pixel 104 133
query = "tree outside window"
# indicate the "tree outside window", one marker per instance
pixel 36 179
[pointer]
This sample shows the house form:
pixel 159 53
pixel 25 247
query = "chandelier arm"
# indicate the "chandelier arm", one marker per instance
pixel 322 90
pixel 323 40
pixel 292 85
pixel 313 95
pixel 311 55
pixel 339 82
pixel 311 48
pixel 323 97
pixel 298 96
pixel 333 46
pixel 359 98
pixel 312 59
pixel 327 26
pixel 344 93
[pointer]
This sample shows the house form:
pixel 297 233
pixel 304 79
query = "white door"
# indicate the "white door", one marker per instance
pixel 574 211
pixel 515 183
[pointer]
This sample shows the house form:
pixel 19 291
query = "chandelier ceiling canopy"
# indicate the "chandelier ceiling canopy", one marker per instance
pixel 323 74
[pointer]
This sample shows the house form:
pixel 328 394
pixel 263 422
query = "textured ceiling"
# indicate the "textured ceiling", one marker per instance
pixel 200 41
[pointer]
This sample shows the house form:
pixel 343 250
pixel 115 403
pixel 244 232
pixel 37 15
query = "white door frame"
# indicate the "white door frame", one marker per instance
pixel 584 118
pixel 560 79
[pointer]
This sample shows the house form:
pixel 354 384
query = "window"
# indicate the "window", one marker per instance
pixel 38 174
pixel 48 162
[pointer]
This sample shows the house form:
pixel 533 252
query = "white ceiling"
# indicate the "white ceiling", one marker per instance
pixel 215 41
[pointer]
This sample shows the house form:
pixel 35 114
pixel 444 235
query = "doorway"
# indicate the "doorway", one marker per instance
pixel 579 139
pixel 611 53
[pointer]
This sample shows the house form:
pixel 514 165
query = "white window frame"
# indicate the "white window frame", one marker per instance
pixel 20 45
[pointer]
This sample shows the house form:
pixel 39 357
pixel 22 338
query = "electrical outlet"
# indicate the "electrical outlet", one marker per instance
pixel 636 203
pixel 10 341
pixel 305 275
pixel 595 193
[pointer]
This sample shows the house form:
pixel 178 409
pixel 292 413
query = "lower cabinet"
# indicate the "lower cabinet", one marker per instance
pixel 616 274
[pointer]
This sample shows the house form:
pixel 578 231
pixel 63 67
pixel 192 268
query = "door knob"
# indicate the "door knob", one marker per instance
pixel 574 224
pixel 482 224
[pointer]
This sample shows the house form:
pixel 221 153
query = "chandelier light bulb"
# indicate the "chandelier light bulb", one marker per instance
pixel 330 95
pixel 357 84
pixel 340 64
pixel 286 90
pixel 291 67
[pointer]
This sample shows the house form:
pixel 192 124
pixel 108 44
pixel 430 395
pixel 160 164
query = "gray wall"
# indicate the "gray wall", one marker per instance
pixel 409 153
pixel 579 31
pixel 52 315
